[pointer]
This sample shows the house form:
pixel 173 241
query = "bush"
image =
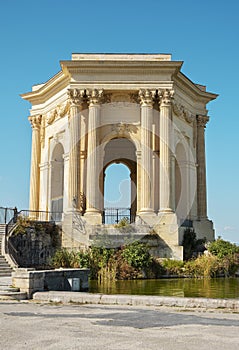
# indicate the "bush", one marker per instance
pixel 221 248
pixel 65 258
pixel 173 267
pixel 191 244
pixel 204 266
pixel 137 255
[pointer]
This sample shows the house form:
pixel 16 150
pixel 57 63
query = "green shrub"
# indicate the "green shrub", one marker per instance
pixel 221 248
pixel 137 254
pixel 204 266
pixel 65 258
pixel 173 267
pixel 191 244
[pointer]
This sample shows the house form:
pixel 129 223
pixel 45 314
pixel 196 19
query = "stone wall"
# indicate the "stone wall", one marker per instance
pixel 31 281
pixel 35 244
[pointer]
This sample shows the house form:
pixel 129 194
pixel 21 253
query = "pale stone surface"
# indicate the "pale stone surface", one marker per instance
pixel 144 99
pixel 38 326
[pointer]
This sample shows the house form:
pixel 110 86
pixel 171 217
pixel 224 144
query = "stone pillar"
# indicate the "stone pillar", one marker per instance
pixel 92 180
pixel 165 152
pixel 76 99
pixel 146 101
pixel 35 162
pixel 201 167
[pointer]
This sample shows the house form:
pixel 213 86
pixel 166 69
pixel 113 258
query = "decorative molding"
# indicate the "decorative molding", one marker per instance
pixel 35 121
pixel 95 96
pixel 165 96
pixel 76 97
pixel 146 97
pixel 123 128
pixel 120 97
pixel 59 112
pixel 202 120
pixel 134 97
pixel 182 113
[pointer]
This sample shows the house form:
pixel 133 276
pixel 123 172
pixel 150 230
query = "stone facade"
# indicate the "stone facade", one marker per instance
pixel 135 109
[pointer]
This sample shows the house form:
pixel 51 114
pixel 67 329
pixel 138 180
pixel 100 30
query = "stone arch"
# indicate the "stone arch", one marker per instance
pixel 57 180
pixel 121 150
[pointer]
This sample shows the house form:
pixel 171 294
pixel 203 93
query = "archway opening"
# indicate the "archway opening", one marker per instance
pixel 120 181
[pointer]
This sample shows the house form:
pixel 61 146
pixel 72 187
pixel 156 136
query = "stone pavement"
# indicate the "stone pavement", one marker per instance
pixel 29 325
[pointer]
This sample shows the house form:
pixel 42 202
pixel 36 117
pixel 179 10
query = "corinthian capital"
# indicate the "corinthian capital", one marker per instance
pixel 95 96
pixel 35 121
pixel 202 120
pixel 146 97
pixel 76 96
pixel 166 97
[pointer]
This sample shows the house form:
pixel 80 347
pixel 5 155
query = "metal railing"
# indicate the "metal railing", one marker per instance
pixel 6 214
pixel 113 216
pixel 33 215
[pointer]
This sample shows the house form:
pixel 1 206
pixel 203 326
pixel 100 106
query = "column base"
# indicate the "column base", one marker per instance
pixel 165 211
pixel 93 217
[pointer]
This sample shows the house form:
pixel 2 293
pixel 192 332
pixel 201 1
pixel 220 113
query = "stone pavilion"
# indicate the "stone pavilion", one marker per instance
pixel 136 109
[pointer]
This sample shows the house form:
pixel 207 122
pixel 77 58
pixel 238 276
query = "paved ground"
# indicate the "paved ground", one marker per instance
pixel 28 325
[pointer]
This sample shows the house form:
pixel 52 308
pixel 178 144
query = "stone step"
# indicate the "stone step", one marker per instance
pixel 2 229
pixel 9 289
pixel 6 295
pixel 6 273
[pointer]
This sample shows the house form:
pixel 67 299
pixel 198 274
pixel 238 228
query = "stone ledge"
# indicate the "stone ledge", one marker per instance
pixel 136 300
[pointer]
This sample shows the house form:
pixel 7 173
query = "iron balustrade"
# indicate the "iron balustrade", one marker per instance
pixel 113 216
pixel 6 214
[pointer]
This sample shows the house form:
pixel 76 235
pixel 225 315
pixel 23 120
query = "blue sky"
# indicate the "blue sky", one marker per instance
pixel 36 35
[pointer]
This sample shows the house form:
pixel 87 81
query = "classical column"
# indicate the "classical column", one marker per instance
pixel 146 101
pixel 165 152
pixel 201 167
pixel 35 162
pixel 92 180
pixel 76 98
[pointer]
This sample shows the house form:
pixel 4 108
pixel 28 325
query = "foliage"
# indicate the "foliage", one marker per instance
pixel 21 225
pixel 173 267
pixel 137 254
pixel 65 258
pixel 191 244
pixel 124 222
pixel 203 266
pixel 221 248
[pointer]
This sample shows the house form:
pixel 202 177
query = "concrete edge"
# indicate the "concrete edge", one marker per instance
pixel 135 300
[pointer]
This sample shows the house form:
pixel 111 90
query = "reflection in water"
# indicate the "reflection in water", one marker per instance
pixel 206 288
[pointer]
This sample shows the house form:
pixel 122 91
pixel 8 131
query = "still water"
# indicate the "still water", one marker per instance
pixel 205 288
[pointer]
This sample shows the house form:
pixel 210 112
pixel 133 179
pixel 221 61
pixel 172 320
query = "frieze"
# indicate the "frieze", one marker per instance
pixel 59 112
pixel 182 113
pixel 123 128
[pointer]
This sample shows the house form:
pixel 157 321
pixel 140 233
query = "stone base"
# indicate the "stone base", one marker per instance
pixel 204 229
pixel 30 281
pixel 74 232
pixel 167 228
pixel 93 218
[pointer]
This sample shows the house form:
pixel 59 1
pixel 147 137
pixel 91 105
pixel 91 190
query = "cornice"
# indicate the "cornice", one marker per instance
pixel 57 83
pixel 183 82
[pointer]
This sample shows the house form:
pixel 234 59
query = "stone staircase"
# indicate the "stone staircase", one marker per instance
pixel 5 269
pixel 7 292
pixel 2 229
